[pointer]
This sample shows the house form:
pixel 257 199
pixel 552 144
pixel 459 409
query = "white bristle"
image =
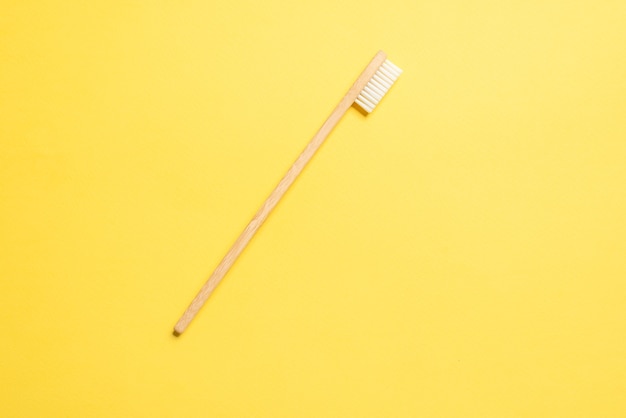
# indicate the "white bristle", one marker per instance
pixel 378 92
pixel 364 106
pixel 378 86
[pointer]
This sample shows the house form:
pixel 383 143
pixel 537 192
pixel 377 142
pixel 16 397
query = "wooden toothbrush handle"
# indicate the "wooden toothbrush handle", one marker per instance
pixel 274 197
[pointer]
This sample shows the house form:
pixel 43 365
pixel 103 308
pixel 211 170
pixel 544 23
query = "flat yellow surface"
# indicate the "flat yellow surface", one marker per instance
pixel 460 252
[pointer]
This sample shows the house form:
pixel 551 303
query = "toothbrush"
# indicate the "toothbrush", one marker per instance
pixel 366 92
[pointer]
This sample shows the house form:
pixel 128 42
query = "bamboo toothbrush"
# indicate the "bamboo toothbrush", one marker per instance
pixel 367 91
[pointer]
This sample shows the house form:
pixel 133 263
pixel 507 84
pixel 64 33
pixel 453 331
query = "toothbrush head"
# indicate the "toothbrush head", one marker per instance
pixel 378 85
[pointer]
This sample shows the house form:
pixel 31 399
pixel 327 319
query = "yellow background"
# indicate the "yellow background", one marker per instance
pixel 461 252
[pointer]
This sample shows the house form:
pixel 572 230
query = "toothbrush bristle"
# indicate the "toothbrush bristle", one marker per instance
pixel 378 86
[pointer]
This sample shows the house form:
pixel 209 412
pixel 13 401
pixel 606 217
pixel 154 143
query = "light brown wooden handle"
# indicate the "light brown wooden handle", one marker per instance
pixel 274 197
